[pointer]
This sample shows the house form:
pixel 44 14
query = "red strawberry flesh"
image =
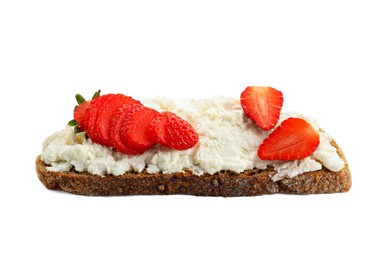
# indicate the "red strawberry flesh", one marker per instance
pixel 294 139
pixel 116 128
pixel 262 105
pixel 93 113
pixel 174 132
pixel 79 113
pixel 135 126
pixel 106 112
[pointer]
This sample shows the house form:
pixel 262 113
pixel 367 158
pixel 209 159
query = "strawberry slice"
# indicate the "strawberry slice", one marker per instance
pixel 262 105
pixel 116 124
pixel 86 117
pixel 135 125
pixel 92 114
pixel 294 139
pixel 105 113
pixel 79 114
pixel 173 131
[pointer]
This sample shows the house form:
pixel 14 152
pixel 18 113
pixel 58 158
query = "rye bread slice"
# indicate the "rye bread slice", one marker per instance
pixel 225 183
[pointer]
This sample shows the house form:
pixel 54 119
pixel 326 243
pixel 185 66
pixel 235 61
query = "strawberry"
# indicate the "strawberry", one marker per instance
pixel 262 105
pixel 125 124
pixel 173 132
pixel 93 112
pixel 294 139
pixel 134 130
pixel 116 124
pixel 105 113
pixel 81 112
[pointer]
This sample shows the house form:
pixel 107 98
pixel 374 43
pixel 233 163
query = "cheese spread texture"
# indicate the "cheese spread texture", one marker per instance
pixel 228 140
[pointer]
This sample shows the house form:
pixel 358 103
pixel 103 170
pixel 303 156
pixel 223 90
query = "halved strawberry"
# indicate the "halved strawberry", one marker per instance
pixel 93 112
pixel 262 105
pixel 294 139
pixel 135 126
pixel 116 126
pixel 105 113
pixel 174 132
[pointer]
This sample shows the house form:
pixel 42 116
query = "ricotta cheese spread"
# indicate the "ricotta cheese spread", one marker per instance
pixel 228 140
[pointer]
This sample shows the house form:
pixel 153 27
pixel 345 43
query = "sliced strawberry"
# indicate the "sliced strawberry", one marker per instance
pixel 92 114
pixel 105 113
pixel 157 128
pixel 86 117
pixel 262 105
pixel 92 105
pixel 294 139
pixel 135 126
pixel 173 131
pixel 79 113
pixel 116 127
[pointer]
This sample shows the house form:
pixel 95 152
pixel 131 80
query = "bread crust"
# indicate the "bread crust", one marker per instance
pixel 226 183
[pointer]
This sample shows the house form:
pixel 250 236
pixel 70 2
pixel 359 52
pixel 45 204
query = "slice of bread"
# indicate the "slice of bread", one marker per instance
pixel 227 183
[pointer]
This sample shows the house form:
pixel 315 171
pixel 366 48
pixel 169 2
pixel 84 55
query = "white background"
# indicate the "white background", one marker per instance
pixel 330 59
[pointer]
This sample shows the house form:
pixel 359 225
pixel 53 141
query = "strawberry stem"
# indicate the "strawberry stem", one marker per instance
pixel 72 122
pixel 97 94
pixel 80 99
